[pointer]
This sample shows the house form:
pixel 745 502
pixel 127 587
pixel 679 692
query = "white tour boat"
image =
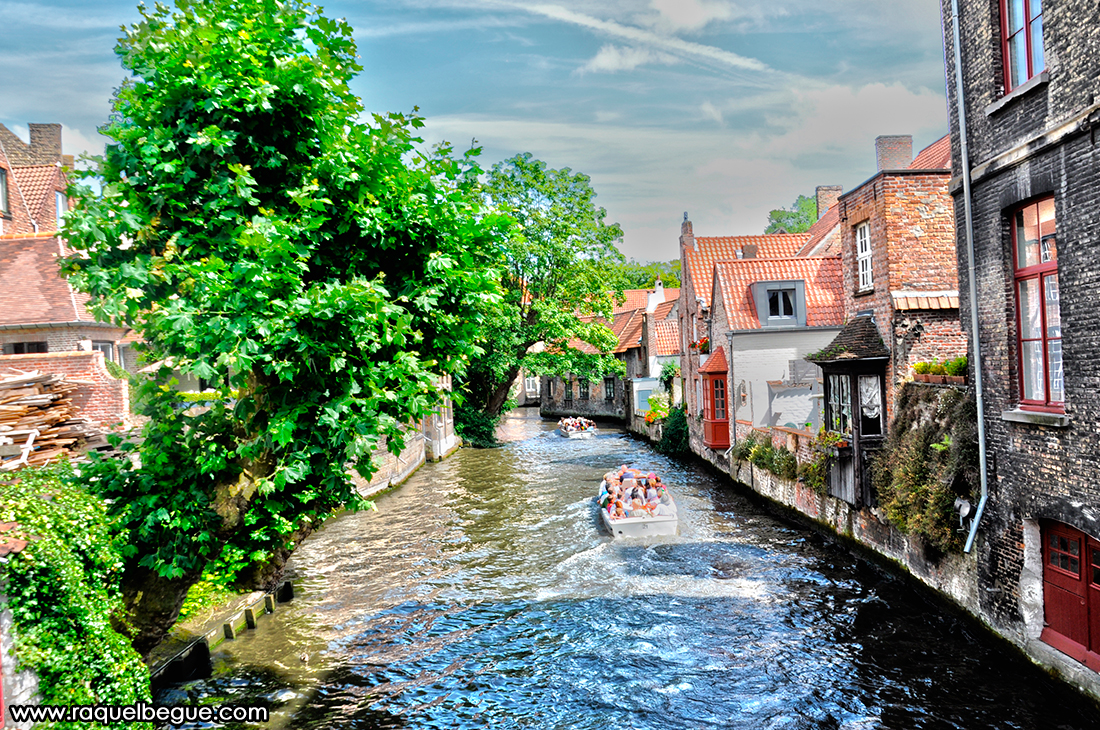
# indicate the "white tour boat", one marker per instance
pixel 639 526
pixel 576 428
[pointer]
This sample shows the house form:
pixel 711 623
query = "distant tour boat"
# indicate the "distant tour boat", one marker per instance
pixel 657 519
pixel 576 428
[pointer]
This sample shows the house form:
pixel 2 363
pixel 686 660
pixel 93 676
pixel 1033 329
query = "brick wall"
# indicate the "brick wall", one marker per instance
pixel 1032 142
pixel 102 399
pixel 595 406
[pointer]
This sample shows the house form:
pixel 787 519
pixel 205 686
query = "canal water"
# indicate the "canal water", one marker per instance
pixel 483 594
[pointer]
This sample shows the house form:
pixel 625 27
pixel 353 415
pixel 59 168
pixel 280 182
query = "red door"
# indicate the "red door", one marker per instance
pixel 1071 592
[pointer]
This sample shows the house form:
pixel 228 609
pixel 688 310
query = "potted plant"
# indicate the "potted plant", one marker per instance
pixel 956 370
pixel 704 346
pixel 921 370
pixel 938 373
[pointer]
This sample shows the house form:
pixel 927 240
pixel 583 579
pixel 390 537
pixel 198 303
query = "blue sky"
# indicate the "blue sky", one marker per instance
pixel 721 109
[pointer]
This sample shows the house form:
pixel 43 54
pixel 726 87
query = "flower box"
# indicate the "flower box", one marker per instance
pixel 922 377
pixel 956 379
pixel 936 379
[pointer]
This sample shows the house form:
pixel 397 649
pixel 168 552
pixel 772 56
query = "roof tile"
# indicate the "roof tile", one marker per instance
pixel 824 288
pixel 34 292
pixel 666 337
pixel 936 156
pixel 712 249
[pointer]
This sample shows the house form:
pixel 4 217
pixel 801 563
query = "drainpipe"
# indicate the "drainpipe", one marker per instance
pixel 964 152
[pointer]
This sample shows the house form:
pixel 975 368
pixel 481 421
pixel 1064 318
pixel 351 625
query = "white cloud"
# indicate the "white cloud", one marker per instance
pixel 612 58
pixel 711 112
pixel 690 14
pixel 639 36
pixel 603 117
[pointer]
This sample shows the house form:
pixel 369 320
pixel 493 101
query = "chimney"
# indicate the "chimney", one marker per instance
pixel 46 143
pixel 827 195
pixel 655 297
pixel 687 237
pixel 749 250
pixel 894 152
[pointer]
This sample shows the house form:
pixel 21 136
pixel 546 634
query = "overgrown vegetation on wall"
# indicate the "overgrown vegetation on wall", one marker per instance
pixel 674 438
pixel 929 460
pixel 63 591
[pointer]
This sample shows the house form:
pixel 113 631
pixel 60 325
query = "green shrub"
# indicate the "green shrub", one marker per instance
pixel 922 368
pixel 674 438
pixel 477 428
pixel 743 448
pixel 938 368
pixel 956 367
pixel 63 594
pixel 669 372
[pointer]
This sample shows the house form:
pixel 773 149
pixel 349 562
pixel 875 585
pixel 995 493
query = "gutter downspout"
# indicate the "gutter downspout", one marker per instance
pixel 964 152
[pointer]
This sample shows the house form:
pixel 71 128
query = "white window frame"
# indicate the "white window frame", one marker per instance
pixel 4 209
pixel 863 257
pixel 61 202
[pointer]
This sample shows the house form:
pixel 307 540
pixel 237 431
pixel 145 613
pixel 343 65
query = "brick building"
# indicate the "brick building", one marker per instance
pixel 635 323
pixel 1025 118
pixel 900 299
pixel 44 322
pixel 737 359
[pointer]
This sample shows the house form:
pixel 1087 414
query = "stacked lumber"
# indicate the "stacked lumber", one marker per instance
pixel 38 420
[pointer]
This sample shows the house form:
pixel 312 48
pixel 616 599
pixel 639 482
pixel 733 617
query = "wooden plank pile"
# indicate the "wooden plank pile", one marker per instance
pixel 38 420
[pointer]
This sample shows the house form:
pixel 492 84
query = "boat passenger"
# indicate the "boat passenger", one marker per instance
pixel 619 513
pixel 664 507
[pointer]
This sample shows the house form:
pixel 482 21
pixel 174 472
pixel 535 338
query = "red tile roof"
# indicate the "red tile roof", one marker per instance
pixel 20 218
pixel 700 264
pixel 8 542
pixel 33 290
pixel 639 298
pixel 716 363
pixel 665 308
pixel 38 183
pixel 630 336
pixel 824 288
pixel 665 337
pixel 936 156
pixel 824 235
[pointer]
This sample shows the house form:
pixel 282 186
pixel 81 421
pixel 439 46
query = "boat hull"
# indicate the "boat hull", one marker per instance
pixel 578 434
pixel 640 526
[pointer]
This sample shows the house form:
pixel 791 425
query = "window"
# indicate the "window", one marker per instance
pixel 863 257
pixel 550 387
pixel 781 303
pixel 609 389
pixel 1035 252
pixel 61 204
pixel 838 413
pixel 870 405
pixel 1022 34
pixel 568 390
pixel 4 192
pixel 531 384
pixel 584 389
pixel 107 348
pixel 25 348
pixel 719 399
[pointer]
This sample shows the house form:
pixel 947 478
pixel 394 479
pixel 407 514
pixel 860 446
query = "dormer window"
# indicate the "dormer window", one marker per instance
pixel 61 203
pixel 780 303
pixel 4 192
pixel 863 257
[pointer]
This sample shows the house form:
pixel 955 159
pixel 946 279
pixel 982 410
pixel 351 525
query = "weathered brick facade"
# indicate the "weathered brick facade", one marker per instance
pixel 101 398
pixel 1042 139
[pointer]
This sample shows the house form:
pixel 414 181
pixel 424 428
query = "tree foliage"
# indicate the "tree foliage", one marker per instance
pixel 634 275
pixel 558 257
pixel 320 270
pixel 796 219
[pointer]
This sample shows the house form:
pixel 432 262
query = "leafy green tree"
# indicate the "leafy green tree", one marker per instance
pixel 796 219
pixel 319 270
pixel 555 281
pixel 634 275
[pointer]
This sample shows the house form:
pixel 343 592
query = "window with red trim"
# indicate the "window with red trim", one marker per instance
pixel 1039 322
pixel 1022 40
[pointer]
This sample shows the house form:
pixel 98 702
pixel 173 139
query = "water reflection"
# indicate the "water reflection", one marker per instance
pixel 483 594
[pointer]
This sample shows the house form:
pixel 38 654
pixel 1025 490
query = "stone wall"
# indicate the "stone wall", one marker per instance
pixel 16 688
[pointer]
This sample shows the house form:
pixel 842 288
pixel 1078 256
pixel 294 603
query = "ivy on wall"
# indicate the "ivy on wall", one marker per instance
pixel 929 460
pixel 62 590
